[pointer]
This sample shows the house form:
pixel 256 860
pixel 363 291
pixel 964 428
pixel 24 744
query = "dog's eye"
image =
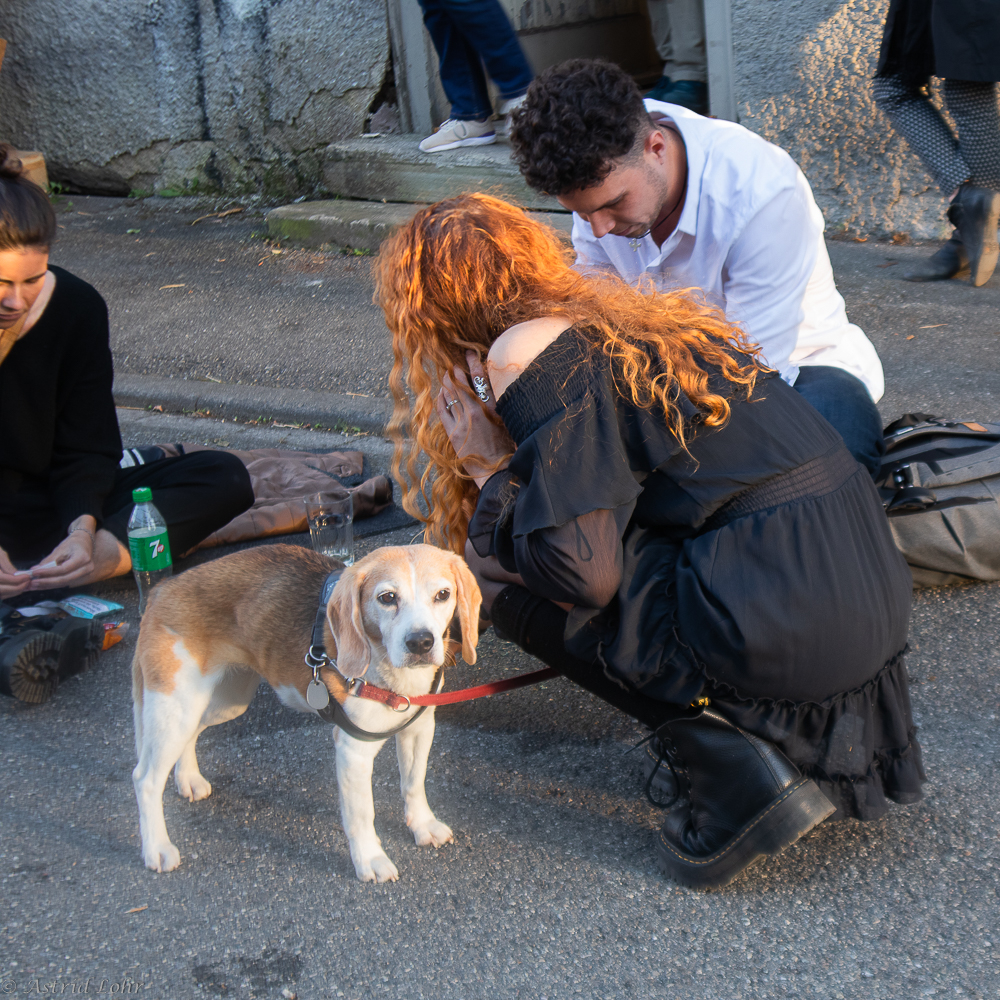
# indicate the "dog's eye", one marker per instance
pixel 442 595
pixel 388 599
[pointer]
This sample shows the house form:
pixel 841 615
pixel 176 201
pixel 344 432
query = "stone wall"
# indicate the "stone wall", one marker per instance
pixel 239 96
pixel 803 81
pixel 242 96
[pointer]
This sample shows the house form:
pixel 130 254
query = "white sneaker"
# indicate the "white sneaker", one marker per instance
pixel 453 134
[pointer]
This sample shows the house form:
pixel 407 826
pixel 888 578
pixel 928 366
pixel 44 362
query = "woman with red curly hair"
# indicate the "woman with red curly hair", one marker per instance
pixel 653 512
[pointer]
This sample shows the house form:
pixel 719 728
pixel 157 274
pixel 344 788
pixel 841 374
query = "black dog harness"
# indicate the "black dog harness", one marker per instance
pixel 317 693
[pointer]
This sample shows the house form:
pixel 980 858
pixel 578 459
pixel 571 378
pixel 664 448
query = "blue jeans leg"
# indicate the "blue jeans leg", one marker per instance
pixel 845 403
pixel 467 35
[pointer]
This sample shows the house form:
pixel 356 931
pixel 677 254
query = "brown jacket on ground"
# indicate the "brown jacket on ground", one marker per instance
pixel 281 482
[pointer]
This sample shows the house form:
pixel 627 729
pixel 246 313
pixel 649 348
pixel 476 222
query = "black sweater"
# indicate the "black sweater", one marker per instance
pixel 60 445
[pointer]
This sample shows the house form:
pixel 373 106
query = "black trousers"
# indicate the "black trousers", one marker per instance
pixel 196 494
pixel 537 626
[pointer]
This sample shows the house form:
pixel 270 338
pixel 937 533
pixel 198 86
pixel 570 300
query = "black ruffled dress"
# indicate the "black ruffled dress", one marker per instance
pixel 757 569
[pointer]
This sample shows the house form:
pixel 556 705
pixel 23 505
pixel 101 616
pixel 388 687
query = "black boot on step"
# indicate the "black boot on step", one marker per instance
pixel 744 799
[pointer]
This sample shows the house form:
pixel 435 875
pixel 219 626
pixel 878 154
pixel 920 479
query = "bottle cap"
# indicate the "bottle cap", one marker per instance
pixel 142 495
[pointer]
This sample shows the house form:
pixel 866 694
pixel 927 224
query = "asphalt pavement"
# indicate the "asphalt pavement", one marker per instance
pixel 216 300
pixel 550 889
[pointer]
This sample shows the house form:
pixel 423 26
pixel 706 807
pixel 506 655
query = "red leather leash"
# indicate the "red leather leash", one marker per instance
pixel 485 690
pixel 316 659
pixel 399 703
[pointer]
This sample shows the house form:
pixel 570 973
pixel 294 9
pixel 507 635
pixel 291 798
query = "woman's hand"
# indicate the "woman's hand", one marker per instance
pixel 12 582
pixel 480 443
pixel 72 559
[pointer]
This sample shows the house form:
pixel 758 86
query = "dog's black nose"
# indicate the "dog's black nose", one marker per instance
pixel 420 642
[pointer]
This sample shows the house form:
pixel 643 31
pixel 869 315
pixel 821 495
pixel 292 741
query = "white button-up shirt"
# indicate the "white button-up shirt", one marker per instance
pixel 751 236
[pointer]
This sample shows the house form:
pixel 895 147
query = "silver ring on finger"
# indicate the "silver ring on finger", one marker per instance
pixel 450 404
pixel 479 384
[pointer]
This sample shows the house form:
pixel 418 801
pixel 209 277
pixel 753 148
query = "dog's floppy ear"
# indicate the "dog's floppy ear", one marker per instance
pixel 468 599
pixel 344 615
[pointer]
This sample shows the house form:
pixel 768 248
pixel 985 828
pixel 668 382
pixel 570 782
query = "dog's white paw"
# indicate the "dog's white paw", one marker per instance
pixel 432 832
pixel 161 858
pixel 193 787
pixel 377 868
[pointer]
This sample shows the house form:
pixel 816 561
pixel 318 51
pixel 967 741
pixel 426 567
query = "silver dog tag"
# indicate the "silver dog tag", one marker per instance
pixel 317 695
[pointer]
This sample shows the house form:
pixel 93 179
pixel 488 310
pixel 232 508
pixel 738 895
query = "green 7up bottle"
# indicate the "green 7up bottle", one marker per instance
pixel 148 544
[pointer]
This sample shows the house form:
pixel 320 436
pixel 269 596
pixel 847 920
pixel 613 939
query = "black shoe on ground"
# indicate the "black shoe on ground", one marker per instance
pixel 945 264
pixel 745 799
pixel 83 640
pixel 29 658
pixel 976 212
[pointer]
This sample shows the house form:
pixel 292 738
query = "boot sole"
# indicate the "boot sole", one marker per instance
pixel 29 667
pixel 946 275
pixel 793 814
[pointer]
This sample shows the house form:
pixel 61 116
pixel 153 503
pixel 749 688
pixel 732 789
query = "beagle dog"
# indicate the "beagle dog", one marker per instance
pixel 210 634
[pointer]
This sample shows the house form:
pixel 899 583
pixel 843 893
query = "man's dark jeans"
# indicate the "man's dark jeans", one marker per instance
pixel 844 401
pixel 469 34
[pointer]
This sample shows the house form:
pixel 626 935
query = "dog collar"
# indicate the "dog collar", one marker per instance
pixel 317 656
pixel 317 648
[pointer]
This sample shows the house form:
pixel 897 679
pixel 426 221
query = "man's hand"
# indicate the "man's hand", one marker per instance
pixel 471 423
pixel 12 583
pixel 71 560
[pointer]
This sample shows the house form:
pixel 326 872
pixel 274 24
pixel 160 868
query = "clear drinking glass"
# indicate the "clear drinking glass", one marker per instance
pixel 331 525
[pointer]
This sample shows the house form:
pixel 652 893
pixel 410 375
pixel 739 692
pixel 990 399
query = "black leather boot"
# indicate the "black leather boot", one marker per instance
pixel 977 211
pixel 82 642
pixel 945 264
pixel 663 778
pixel 744 799
pixel 29 658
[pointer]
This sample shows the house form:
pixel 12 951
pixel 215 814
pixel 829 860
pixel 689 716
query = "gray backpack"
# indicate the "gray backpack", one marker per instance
pixel 940 483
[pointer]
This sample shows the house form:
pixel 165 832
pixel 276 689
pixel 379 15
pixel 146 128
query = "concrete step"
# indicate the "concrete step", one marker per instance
pixel 358 225
pixel 341 411
pixel 392 168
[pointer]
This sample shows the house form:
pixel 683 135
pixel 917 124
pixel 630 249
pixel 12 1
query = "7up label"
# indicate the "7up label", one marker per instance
pixel 149 549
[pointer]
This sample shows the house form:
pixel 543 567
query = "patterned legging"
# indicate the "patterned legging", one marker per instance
pixel 974 155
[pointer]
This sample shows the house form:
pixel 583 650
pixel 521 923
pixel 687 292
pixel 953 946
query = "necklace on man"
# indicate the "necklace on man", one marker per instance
pixel 636 241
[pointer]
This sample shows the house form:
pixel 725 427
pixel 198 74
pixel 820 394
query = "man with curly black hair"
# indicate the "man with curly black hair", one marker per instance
pixel 659 192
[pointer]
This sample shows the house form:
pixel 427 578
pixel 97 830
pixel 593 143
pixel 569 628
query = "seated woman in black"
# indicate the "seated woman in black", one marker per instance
pixel 676 530
pixel 64 500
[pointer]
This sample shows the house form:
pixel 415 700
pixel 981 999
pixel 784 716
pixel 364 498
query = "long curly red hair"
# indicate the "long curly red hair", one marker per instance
pixel 467 268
